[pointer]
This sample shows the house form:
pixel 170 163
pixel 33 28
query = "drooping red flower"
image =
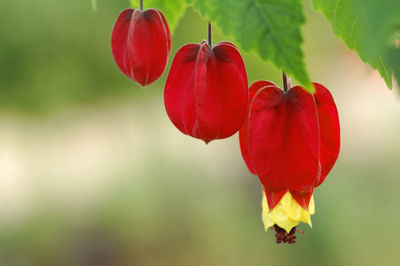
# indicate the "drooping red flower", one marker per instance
pixel 291 141
pixel 206 92
pixel 141 43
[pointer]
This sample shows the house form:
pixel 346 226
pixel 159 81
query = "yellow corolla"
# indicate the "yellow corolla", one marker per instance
pixel 287 213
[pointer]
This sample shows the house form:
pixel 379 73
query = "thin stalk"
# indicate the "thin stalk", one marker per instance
pixel 209 34
pixel 285 83
pixel 141 5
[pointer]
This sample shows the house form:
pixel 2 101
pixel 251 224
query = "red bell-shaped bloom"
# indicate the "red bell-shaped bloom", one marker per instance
pixel 290 140
pixel 206 92
pixel 141 43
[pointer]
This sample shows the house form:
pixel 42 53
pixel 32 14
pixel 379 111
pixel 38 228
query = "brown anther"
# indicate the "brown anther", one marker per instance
pixel 282 236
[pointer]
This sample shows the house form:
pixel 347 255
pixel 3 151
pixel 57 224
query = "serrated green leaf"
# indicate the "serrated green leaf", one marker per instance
pixel 271 28
pixel 366 26
pixel 173 10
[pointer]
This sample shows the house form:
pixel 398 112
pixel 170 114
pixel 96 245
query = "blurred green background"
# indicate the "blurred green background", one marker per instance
pixel 92 172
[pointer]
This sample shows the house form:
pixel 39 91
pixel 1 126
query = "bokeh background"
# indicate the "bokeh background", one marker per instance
pixel 92 172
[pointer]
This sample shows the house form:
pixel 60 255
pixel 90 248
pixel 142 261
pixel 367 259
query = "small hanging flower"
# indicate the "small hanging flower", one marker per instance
pixel 206 92
pixel 290 140
pixel 141 43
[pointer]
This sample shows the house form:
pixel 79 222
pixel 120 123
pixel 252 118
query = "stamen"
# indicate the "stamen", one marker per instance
pixel 282 236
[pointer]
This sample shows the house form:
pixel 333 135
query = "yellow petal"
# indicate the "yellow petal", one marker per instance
pixel 287 213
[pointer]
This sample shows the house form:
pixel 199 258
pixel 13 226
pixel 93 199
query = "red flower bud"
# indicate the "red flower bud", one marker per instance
pixel 290 140
pixel 141 43
pixel 206 93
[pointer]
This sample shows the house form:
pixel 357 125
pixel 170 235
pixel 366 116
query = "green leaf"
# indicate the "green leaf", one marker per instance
pixel 393 60
pixel 366 26
pixel 271 28
pixel 173 10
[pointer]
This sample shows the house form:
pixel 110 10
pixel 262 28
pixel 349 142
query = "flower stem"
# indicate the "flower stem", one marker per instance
pixel 209 34
pixel 141 5
pixel 285 83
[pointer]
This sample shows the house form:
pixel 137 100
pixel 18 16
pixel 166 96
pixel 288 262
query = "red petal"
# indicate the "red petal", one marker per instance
pixel 329 130
pixel 243 132
pixel 303 197
pixel 273 197
pixel 149 43
pixel 179 94
pixel 222 93
pixel 206 93
pixel 284 140
pixel 119 42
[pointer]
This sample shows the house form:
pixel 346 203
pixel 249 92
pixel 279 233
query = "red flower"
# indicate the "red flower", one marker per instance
pixel 141 43
pixel 290 140
pixel 206 92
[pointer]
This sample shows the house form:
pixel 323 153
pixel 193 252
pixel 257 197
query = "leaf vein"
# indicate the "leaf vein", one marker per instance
pixel 274 34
